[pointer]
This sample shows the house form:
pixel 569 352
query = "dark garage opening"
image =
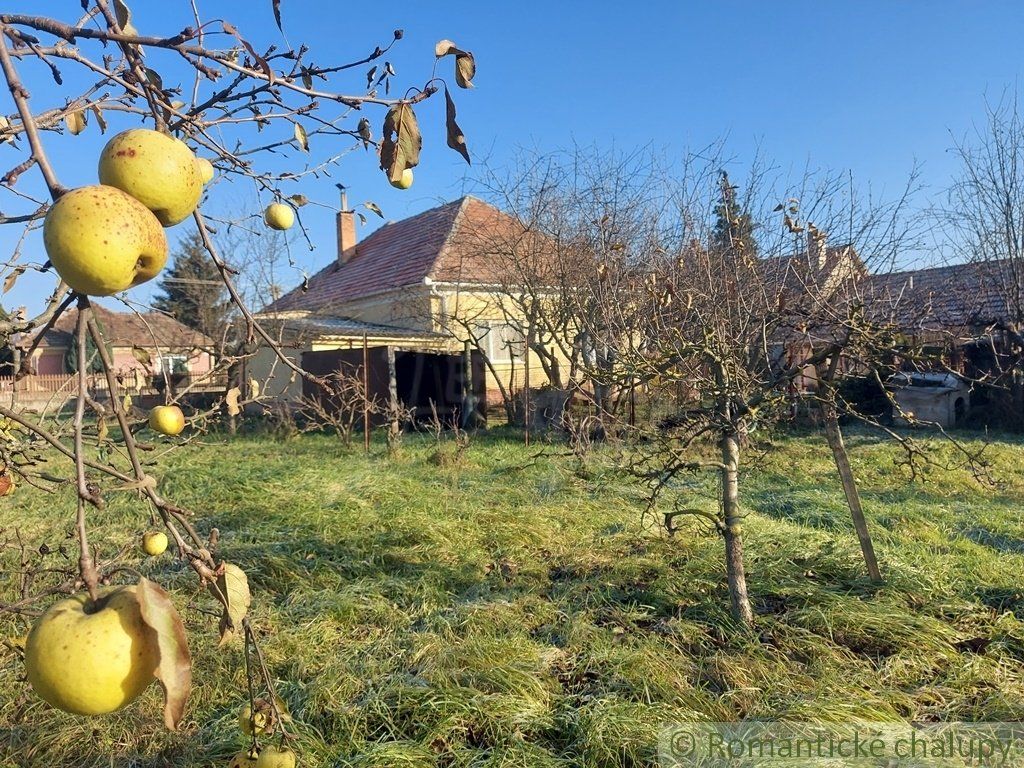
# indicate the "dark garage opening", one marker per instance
pixel 420 379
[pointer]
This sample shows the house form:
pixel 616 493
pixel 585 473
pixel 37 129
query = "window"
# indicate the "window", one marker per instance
pixel 501 342
pixel 172 365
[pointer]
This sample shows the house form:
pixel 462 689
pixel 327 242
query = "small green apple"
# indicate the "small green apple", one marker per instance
pixel 158 170
pixel 154 543
pixel 405 182
pixel 167 420
pixel 275 757
pixel 205 169
pixel 92 658
pixel 279 216
pixel 102 241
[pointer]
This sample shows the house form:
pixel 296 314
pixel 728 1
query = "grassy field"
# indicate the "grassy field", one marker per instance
pixel 512 610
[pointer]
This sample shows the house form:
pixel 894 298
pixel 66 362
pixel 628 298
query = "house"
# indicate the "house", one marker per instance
pixel 960 319
pixel 146 349
pixel 425 284
pixel 169 346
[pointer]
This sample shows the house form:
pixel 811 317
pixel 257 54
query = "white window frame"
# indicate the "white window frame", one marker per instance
pixel 165 363
pixel 487 338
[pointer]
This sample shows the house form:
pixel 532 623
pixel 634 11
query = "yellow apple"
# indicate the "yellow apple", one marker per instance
pixel 102 240
pixel 205 169
pixel 154 543
pixel 92 658
pixel 247 720
pixel 405 182
pixel 275 757
pixel 279 216
pixel 167 420
pixel 243 759
pixel 156 169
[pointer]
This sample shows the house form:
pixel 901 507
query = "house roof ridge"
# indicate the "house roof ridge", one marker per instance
pixel 447 242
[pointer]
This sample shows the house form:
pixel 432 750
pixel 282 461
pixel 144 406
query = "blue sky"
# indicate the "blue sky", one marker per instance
pixel 869 87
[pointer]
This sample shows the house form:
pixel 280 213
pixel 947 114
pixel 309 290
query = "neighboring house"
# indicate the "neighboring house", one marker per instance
pixel 424 283
pixel 169 346
pixel 962 319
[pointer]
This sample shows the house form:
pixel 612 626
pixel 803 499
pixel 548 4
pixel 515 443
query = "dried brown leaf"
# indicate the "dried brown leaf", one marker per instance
pixel 233 585
pixel 100 120
pixel 401 142
pixel 12 278
pixel 142 355
pixel 456 138
pixel 444 47
pixel 301 138
pixel 174 670
pixel 231 401
pixel 75 122
pixel 276 5
pixel 465 69
pixel 124 17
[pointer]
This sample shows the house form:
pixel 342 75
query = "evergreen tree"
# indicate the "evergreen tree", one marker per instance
pixel 91 353
pixel 734 227
pixel 192 290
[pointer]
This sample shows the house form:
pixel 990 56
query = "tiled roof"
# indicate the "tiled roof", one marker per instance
pixel 958 296
pixel 402 254
pixel 125 329
pixel 346 326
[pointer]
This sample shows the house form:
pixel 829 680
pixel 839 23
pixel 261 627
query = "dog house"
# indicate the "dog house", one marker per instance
pixel 939 398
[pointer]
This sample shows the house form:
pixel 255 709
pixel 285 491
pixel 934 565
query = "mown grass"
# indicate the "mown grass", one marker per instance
pixel 509 609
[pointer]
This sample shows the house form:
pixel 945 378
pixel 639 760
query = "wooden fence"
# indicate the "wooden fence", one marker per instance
pixel 56 389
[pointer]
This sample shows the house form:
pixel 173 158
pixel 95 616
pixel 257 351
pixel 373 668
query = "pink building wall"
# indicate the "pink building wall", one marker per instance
pixel 50 362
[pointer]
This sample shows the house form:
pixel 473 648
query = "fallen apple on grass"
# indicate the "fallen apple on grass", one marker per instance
pixel 244 759
pixel 102 240
pixel 275 757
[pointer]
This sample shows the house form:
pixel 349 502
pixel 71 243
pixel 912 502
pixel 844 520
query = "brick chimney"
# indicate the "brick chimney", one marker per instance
pixel 346 224
pixel 817 247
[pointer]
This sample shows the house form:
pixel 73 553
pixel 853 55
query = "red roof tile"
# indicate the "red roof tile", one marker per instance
pixel 402 254
pixel 124 329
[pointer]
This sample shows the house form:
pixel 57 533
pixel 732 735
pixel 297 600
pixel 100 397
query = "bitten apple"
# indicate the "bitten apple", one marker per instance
pixel 156 169
pixel 167 420
pixel 102 240
pixel 279 216
pixel 92 658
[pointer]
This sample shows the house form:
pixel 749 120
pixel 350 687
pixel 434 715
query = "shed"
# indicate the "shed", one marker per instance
pixel 418 381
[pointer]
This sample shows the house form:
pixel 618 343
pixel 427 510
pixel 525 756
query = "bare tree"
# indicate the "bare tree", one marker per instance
pixel 726 328
pixel 984 226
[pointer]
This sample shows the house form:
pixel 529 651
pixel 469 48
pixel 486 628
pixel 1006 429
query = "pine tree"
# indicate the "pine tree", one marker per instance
pixel 193 292
pixel 734 227
pixel 91 353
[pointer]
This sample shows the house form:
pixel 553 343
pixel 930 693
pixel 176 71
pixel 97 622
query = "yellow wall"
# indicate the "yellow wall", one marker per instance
pixel 470 306
pixel 440 309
